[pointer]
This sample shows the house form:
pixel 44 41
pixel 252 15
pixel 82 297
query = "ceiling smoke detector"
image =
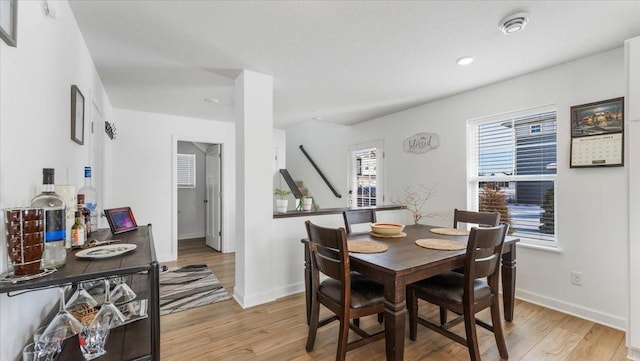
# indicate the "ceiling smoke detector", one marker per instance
pixel 513 23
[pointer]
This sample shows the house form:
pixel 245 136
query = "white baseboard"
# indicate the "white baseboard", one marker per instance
pixel 191 235
pixel 249 301
pixel 255 300
pixel 166 257
pixel 633 354
pixel 289 290
pixel 616 322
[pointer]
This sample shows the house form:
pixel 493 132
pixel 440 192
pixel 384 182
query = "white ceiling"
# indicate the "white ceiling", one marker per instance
pixel 346 61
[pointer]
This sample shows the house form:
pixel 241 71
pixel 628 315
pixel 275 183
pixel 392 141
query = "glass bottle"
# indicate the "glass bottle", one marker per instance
pixel 90 198
pixel 86 216
pixel 77 232
pixel 55 254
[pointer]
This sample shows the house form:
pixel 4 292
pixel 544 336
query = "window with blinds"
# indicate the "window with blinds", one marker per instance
pixel 511 163
pixel 366 176
pixel 186 170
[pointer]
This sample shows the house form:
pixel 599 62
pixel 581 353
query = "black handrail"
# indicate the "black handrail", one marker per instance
pixel 335 193
pixel 291 183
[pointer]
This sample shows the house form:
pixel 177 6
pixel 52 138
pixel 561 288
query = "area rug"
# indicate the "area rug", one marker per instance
pixel 183 288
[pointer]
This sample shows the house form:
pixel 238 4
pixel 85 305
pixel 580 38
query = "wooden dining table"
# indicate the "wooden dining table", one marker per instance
pixel 403 263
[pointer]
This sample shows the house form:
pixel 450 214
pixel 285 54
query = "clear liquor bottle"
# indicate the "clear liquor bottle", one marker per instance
pixel 90 198
pixel 55 236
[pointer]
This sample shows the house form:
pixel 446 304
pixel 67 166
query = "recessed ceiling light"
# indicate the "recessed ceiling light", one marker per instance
pixel 465 60
pixel 317 117
pixel 212 100
pixel 513 23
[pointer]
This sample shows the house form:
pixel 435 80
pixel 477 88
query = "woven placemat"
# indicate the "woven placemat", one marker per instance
pixel 363 246
pixel 399 235
pixel 441 244
pixel 450 231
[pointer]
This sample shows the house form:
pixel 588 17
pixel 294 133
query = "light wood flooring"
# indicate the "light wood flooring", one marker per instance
pixel 277 331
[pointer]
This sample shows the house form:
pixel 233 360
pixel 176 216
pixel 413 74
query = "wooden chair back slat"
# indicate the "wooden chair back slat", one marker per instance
pixel 483 251
pixel 357 216
pixel 487 219
pixel 329 253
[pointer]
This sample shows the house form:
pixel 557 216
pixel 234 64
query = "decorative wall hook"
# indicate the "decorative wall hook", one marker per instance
pixel 110 129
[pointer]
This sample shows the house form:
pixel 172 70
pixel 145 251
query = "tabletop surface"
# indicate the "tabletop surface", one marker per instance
pixel 404 255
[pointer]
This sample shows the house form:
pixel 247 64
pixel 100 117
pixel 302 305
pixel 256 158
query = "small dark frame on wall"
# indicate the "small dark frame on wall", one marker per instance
pixel 77 115
pixel 597 134
pixel 9 21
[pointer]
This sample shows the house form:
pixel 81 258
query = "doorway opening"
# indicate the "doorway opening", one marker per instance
pixel 199 193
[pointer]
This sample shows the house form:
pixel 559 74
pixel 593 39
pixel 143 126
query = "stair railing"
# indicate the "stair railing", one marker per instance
pixel 335 193
pixel 291 183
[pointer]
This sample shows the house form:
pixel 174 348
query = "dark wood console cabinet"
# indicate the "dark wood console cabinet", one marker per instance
pixel 139 340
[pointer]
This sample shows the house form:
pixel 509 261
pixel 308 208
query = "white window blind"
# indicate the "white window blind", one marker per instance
pixel 511 162
pixel 186 170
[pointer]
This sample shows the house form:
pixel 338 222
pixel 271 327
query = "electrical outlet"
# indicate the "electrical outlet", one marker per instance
pixel 576 278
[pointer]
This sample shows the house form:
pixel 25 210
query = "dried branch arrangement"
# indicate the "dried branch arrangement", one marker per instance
pixel 415 198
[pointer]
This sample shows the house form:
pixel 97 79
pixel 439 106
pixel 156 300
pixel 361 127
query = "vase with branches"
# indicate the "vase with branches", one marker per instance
pixel 415 198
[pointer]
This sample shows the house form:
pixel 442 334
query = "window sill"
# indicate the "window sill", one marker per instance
pixel 552 249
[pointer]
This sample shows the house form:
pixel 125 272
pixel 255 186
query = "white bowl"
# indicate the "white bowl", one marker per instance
pixel 387 229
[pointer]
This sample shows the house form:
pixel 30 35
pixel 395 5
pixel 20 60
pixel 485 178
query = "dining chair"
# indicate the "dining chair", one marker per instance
pixel 489 219
pixel 465 294
pixel 357 216
pixel 349 295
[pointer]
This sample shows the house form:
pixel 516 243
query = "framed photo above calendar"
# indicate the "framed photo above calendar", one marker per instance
pixel 597 134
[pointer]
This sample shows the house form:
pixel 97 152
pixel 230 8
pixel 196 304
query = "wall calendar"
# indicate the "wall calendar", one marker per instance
pixel 596 150
pixel 597 134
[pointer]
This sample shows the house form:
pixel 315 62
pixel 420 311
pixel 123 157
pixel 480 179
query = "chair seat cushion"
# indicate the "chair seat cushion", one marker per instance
pixel 364 291
pixel 450 286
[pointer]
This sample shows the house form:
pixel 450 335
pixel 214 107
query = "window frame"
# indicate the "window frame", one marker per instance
pixel 474 180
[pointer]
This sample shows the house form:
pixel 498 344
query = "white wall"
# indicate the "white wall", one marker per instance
pixel 35 98
pixel 191 206
pixel 632 112
pixel 143 171
pixel 591 203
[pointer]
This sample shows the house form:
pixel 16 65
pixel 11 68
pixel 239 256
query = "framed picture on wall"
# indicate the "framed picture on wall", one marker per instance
pixel 77 115
pixel 8 21
pixel 597 134
pixel 601 117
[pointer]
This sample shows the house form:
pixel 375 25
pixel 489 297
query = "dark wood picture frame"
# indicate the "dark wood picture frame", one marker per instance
pixel 597 134
pixel 121 220
pixel 8 32
pixel 77 115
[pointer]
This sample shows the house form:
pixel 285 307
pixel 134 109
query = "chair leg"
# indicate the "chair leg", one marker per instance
pixel 412 310
pixel 343 339
pixel 497 329
pixel 443 315
pixel 472 337
pixel 381 317
pixel 313 324
pixel 356 321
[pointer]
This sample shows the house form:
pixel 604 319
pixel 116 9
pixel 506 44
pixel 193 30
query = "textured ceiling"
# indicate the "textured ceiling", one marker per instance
pixel 346 62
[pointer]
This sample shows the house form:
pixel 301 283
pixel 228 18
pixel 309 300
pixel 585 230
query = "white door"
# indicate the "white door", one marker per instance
pixel 366 179
pixel 214 202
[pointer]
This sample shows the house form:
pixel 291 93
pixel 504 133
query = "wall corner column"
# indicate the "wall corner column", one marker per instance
pixel 632 130
pixel 254 182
